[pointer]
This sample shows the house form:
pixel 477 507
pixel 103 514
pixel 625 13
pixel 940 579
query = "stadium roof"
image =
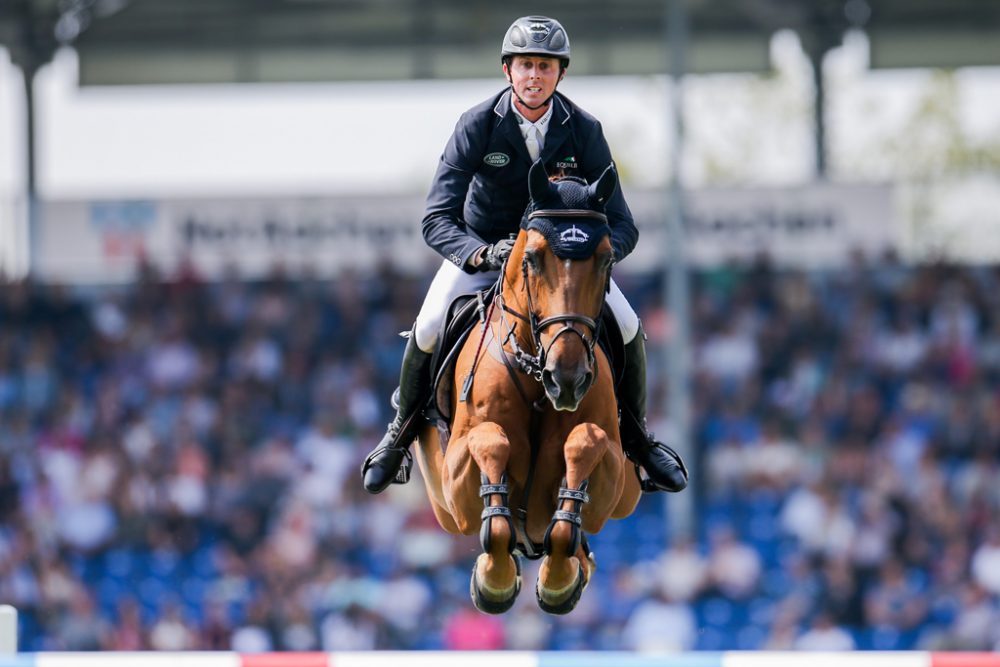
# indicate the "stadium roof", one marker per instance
pixel 122 42
pixel 177 41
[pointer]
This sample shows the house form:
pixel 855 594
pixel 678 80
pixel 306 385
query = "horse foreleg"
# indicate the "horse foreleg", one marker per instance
pixel 430 459
pixel 568 566
pixel 478 501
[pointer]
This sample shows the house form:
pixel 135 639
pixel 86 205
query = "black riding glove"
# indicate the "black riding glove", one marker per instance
pixel 495 255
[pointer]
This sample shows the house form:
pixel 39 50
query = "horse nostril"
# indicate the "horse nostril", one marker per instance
pixel 583 384
pixel 550 384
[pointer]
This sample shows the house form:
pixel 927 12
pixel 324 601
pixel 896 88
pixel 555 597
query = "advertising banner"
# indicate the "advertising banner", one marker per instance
pixel 103 241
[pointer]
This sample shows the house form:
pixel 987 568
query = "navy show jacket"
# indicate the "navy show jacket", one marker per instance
pixel 480 190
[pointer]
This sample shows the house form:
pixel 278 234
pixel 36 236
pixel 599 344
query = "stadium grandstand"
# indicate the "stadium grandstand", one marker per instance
pixel 180 471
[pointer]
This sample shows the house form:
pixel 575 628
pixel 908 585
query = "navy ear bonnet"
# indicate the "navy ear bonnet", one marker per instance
pixel 570 219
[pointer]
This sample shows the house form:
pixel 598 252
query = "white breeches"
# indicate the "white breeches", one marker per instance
pixel 451 281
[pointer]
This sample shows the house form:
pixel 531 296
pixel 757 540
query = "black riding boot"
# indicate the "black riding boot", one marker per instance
pixel 663 465
pixel 385 465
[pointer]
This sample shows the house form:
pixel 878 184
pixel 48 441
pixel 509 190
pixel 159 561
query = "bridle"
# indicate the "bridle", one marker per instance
pixel 534 364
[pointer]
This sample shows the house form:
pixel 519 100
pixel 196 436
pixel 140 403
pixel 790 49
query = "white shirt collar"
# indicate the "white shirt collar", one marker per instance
pixel 542 124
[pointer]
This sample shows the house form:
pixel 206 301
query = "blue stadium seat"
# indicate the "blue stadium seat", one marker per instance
pixel 711 639
pixel 152 592
pixel 750 637
pixel 716 611
pixel 119 563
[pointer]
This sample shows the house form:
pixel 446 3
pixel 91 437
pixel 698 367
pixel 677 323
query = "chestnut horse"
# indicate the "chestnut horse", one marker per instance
pixel 534 420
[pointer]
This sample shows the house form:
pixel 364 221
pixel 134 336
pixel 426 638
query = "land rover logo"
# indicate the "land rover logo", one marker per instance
pixel 497 159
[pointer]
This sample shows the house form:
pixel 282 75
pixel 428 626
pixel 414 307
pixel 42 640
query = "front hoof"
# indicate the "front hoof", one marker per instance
pixel 569 602
pixel 493 605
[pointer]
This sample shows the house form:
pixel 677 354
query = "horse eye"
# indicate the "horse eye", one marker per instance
pixel 532 260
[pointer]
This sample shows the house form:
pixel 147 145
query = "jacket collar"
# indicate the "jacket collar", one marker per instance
pixel 560 114
pixel 558 127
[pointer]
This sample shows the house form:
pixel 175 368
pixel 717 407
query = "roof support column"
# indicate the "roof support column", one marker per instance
pixel 820 33
pixel 816 57
pixel 680 508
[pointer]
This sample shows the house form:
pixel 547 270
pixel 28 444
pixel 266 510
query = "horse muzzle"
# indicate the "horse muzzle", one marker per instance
pixel 564 389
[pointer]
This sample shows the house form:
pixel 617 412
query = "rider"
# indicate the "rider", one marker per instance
pixel 475 204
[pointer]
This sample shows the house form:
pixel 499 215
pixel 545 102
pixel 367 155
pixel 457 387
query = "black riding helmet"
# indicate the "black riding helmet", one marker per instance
pixel 535 36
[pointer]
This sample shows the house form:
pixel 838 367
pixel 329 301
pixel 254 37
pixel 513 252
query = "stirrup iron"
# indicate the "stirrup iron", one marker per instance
pixel 403 474
pixel 646 483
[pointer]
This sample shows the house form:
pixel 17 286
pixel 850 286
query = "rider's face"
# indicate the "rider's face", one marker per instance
pixel 534 78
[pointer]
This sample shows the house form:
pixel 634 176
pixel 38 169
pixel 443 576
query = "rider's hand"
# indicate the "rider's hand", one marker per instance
pixel 495 255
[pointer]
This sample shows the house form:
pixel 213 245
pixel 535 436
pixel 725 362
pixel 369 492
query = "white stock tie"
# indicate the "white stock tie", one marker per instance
pixel 531 141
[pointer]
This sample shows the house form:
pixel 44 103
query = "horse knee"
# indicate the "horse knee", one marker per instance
pixel 585 446
pixel 586 452
pixel 490 447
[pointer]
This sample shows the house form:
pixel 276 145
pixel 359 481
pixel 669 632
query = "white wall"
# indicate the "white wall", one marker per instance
pixel 13 248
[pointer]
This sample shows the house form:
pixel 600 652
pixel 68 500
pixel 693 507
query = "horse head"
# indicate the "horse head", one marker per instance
pixel 561 271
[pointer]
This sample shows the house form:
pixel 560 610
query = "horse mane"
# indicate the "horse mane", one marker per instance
pixel 561 175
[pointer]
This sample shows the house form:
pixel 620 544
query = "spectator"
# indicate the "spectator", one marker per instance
pixel 469 630
pixel 977 625
pixel 127 633
pixel 894 601
pixel 824 635
pixel 986 562
pixel 353 629
pixel 171 632
pixel 683 572
pixel 734 567
pixel 660 624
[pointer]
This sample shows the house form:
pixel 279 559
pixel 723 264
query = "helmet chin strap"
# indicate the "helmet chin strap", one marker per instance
pixel 525 104
pixel 528 106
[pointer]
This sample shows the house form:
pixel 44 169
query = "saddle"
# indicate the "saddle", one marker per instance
pixel 465 315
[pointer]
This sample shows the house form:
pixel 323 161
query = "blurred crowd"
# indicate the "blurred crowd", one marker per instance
pixel 179 470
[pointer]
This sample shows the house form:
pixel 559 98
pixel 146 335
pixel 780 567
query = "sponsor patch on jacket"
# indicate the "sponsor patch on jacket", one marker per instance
pixel 497 159
pixel 568 162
